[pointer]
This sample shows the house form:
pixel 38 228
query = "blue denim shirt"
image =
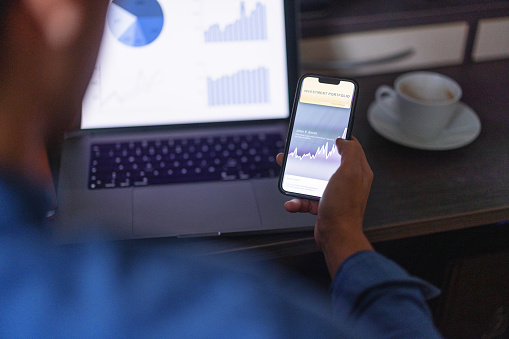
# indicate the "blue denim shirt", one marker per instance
pixel 105 289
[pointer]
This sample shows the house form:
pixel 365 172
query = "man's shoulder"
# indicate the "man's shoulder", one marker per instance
pixel 144 290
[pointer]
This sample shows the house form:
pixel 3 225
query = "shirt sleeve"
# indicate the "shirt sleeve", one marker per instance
pixel 372 292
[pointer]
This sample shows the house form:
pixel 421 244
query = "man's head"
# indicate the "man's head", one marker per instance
pixel 49 48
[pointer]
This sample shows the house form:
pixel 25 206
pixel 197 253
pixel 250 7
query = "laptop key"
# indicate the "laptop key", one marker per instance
pixel 159 162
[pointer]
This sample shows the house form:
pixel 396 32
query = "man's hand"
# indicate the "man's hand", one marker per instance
pixel 338 229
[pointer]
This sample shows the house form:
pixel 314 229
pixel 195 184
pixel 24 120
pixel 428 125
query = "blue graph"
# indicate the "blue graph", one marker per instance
pixel 319 164
pixel 135 23
pixel 242 88
pixel 322 153
pixel 246 28
pixel 306 142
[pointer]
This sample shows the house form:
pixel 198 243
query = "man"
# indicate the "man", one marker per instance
pixel 47 54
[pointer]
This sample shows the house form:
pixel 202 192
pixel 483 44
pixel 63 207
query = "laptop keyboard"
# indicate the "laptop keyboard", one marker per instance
pixel 166 161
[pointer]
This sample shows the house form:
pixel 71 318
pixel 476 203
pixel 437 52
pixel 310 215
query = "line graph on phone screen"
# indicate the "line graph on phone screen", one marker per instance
pixel 317 161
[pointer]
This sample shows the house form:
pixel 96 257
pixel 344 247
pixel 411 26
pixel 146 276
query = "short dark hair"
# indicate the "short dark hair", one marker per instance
pixel 4 5
pixel 4 9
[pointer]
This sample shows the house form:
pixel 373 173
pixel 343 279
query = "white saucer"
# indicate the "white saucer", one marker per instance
pixel 464 128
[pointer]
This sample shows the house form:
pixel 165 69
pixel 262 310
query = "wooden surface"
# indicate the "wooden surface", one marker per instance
pixel 419 192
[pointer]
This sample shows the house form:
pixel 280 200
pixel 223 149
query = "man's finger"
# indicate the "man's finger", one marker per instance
pixel 301 206
pixel 342 144
pixel 279 159
pixel 350 149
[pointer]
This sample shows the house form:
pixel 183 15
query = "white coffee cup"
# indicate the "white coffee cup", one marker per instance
pixel 423 103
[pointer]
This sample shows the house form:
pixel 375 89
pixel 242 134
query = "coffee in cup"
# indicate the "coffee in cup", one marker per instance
pixel 423 103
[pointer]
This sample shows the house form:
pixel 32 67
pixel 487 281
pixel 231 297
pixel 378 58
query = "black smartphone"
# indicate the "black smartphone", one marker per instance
pixel 323 110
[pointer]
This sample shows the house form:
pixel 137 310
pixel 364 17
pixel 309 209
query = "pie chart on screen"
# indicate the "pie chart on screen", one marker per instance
pixel 135 23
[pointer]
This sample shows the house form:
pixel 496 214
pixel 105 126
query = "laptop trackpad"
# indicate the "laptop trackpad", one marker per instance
pixel 194 209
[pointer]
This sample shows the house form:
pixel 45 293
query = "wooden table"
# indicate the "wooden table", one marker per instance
pixel 419 192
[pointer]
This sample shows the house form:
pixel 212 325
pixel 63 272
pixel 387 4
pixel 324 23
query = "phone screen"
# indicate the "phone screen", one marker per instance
pixel 322 112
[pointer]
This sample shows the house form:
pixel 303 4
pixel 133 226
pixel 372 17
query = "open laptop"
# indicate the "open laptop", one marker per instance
pixel 185 112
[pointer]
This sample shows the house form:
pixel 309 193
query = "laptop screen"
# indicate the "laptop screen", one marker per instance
pixel 166 62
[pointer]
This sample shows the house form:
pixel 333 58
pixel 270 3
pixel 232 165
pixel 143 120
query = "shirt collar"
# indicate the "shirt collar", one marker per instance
pixel 21 205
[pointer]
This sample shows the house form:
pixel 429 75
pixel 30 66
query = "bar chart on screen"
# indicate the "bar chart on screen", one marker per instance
pixel 245 87
pixel 247 27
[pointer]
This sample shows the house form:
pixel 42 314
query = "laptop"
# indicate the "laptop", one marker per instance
pixel 187 108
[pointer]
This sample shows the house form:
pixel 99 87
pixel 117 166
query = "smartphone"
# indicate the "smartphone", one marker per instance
pixel 323 110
